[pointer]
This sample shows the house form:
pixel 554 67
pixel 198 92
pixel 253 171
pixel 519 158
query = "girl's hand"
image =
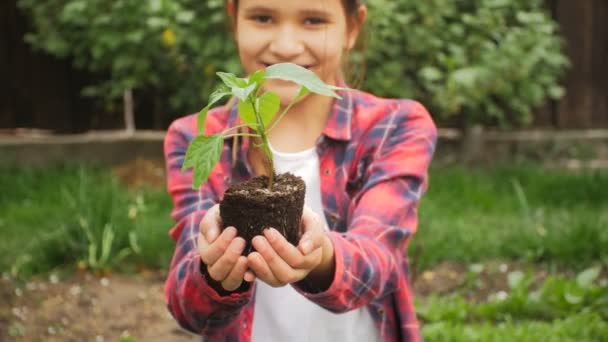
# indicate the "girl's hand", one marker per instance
pixel 221 253
pixel 278 263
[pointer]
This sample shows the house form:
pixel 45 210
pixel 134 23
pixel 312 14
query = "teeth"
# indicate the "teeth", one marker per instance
pixel 303 66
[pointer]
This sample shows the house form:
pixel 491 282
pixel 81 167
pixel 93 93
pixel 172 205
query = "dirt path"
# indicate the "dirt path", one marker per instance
pixel 89 308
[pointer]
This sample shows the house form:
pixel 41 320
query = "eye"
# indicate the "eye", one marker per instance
pixel 263 19
pixel 314 21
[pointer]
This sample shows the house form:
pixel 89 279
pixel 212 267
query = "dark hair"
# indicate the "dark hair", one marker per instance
pixel 350 6
pixel 354 73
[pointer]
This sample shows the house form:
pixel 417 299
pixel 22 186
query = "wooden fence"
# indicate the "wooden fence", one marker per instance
pixel 39 91
pixel 585 28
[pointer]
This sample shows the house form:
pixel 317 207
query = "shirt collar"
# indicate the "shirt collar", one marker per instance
pixel 338 126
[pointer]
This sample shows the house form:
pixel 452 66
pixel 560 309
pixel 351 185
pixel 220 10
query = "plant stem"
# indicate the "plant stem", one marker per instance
pixel 265 145
pixel 233 128
pixel 270 163
pixel 241 135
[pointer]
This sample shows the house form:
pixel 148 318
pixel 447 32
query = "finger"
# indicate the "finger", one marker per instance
pixel 249 276
pixel 235 277
pixel 279 268
pixel 211 223
pixel 313 259
pixel 288 252
pixel 222 267
pixel 309 220
pixel 310 241
pixel 262 271
pixel 215 250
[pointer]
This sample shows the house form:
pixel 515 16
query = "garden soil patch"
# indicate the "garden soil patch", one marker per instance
pixel 91 308
pixel 87 308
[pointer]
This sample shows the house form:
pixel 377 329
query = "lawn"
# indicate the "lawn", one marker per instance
pixel 530 244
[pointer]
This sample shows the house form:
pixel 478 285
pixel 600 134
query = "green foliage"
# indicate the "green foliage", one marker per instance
pixel 556 298
pixel 488 60
pixel 255 110
pixel 65 215
pixel 170 46
pixel 556 216
pixel 558 309
pixel 584 327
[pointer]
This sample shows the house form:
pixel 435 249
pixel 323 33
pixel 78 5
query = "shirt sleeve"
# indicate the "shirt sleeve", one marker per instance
pixel 192 300
pixel 370 258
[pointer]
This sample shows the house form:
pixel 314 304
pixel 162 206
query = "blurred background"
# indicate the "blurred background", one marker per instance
pixel 512 242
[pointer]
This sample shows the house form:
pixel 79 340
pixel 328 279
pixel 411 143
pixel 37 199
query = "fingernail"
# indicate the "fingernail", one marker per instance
pixel 232 231
pixel 261 243
pixel 271 234
pixel 240 244
pixel 306 246
pixel 211 234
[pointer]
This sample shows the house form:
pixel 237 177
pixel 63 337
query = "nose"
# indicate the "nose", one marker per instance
pixel 286 44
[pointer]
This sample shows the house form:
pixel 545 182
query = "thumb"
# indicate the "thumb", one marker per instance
pixel 210 224
pixel 310 220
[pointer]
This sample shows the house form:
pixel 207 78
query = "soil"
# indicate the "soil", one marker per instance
pixel 87 308
pixel 84 307
pixel 251 207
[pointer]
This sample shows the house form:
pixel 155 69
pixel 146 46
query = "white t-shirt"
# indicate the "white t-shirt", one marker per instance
pixel 282 314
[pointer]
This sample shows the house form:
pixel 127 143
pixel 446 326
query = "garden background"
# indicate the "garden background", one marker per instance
pixel 512 242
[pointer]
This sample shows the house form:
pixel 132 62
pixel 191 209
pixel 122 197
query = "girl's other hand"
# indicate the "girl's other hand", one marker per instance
pixel 278 263
pixel 221 252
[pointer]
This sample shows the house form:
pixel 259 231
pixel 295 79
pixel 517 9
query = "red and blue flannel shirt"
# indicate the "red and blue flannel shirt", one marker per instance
pixel 374 155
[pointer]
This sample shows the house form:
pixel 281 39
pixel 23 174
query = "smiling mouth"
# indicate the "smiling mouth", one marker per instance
pixel 303 66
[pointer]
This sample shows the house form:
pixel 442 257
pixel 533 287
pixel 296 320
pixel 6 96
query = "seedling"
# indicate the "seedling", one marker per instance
pixel 256 110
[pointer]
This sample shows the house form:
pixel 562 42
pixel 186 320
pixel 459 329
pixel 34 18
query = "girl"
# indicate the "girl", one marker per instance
pixel 364 160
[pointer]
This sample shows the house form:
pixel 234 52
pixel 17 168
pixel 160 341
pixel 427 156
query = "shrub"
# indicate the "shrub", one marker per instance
pixel 486 61
pixel 490 61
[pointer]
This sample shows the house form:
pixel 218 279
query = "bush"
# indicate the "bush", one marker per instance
pixel 169 46
pixel 491 61
pixel 487 61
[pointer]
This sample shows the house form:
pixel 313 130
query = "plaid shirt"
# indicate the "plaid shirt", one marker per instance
pixel 374 154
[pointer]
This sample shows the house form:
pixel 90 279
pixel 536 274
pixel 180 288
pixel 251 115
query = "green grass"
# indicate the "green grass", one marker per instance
pixel 556 298
pixel 519 212
pixel 559 309
pixel 67 215
pixel 56 217
pixel 584 327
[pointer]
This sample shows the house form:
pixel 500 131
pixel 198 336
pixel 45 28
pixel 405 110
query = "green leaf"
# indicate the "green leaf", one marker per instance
pixel 217 95
pixel 242 93
pixel 203 154
pixel 247 114
pixel 430 73
pixel 268 106
pixel 302 76
pixel 556 92
pixel 185 17
pixel 257 77
pixel 476 268
pixel 466 77
pixel 231 80
pixel 586 278
pixel 303 91
pixel 573 299
pixel 514 279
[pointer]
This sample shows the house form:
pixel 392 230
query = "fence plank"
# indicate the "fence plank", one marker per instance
pixel 584 27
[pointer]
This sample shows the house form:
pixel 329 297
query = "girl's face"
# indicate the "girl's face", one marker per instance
pixel 314 34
